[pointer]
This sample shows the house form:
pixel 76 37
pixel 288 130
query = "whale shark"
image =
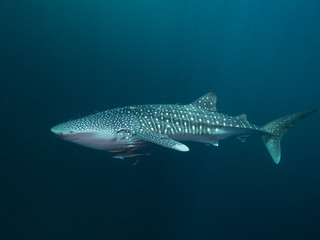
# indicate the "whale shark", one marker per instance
pixel 126 130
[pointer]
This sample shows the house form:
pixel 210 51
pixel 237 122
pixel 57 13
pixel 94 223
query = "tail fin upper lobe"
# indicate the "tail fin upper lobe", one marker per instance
pixel 278 128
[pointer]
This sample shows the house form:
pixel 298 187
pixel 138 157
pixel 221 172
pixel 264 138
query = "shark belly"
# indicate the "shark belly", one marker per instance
pixel 95 140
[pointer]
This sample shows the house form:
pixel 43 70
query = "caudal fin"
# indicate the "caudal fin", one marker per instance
pixel 277 129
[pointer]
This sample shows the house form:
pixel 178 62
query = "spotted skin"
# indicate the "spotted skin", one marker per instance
pixel 130 128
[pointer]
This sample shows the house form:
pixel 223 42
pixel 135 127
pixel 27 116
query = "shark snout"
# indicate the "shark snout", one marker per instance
pixel 60 132
pixel 65 135
pixel 57 132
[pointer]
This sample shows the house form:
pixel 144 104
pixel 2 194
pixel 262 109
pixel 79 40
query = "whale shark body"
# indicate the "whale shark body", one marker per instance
pixel 125 130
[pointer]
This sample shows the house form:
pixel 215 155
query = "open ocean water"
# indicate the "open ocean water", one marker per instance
pixel 64 59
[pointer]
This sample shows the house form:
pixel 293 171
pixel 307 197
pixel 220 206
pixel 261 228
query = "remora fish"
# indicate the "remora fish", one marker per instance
pixel 130 128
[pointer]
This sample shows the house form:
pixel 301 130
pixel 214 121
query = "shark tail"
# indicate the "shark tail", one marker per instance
pixel 277 129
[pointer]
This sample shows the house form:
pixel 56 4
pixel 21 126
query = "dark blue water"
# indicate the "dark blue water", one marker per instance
pixel 65 59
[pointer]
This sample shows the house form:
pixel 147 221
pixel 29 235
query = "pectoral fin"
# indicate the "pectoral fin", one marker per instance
pixel 162 140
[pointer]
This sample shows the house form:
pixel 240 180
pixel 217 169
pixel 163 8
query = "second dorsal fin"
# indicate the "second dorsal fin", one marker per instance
pixel 243 117
pixel 207 102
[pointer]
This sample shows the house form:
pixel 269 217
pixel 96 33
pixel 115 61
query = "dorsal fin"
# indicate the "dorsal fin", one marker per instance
pixel 207 102
pixel 243 117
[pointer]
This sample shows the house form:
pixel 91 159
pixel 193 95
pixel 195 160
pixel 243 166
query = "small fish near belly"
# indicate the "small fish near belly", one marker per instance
pixel 130 154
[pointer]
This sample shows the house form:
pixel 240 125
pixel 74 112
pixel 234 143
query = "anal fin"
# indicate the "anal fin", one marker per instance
pixel 243 138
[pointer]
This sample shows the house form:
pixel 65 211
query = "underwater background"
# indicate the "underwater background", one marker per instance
pixel 64 59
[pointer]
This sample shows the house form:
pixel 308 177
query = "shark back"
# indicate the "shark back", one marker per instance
pixel 198 121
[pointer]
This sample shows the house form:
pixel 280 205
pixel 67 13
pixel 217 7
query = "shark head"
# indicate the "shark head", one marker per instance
pixel 102 131
pixel 85 136
pixel 88 132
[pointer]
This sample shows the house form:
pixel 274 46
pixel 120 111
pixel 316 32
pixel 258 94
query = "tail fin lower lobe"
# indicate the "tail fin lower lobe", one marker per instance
pixel 278 128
